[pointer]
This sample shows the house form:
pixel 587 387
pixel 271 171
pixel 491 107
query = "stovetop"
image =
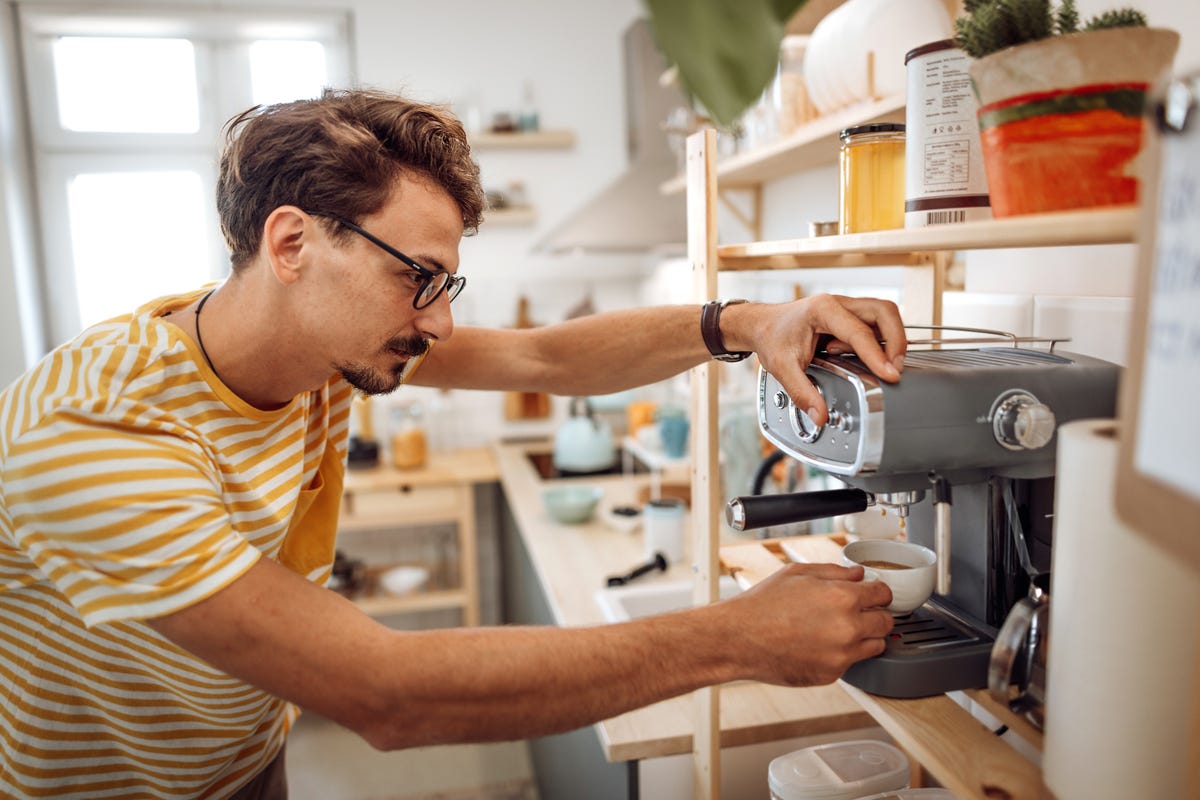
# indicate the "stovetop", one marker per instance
pixel 543 463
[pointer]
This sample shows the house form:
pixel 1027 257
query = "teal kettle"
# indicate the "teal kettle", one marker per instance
pixel 584 443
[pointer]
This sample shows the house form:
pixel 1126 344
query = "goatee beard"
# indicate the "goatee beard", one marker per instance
pixel 371 381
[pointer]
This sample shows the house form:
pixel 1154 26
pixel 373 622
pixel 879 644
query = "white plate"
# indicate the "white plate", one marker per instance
pixel 403 580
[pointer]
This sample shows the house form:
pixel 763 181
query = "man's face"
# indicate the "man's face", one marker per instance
pixel 376 330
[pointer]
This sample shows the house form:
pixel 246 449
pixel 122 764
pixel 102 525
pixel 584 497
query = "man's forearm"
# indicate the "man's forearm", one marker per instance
pixel 512 682
pixel 597 354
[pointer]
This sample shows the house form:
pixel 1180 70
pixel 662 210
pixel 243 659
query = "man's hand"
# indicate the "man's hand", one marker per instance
pixel 785 339
pixel 807 623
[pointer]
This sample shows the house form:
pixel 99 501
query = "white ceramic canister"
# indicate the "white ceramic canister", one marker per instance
pixel 944 175
pixel 663 528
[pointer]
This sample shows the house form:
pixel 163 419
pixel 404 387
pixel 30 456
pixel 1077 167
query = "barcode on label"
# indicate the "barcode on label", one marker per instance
pixel 941 217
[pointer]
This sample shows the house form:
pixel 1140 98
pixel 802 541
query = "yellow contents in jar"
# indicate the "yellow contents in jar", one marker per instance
pixel 409 449
pixel 872 179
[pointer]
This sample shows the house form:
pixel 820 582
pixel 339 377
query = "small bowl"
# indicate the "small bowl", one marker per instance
pixel 571 504
pixel 400 581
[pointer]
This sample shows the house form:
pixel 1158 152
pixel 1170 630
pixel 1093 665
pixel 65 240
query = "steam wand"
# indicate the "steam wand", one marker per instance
pixel 941 531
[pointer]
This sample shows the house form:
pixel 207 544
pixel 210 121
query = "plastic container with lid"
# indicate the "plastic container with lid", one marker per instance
pixel 838 771
pixel 913 794
pixel 871 177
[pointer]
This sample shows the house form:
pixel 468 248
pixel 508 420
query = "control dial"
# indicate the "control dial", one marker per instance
pixel 1020 422
pixel 802 424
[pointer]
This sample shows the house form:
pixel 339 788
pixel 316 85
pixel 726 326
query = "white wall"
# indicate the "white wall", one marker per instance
pixel 21 338
pixel 569 51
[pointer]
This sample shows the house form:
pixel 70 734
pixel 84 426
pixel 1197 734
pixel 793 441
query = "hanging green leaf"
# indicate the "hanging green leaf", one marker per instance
pixel 726 51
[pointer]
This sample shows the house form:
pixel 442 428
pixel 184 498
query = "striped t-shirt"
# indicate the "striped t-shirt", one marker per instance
pixel 133 483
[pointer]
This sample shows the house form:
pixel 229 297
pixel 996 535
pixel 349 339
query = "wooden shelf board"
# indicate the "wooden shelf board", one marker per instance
pixel 380 605
pixel 911 246
pixel 814 144
pixel 399 522
pixel 472 465
pixel 522 215
pixel 533 140
pixel 980 765
pixel 963 755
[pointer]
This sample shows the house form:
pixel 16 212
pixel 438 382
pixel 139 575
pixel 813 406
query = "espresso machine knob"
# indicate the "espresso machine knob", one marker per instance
pixel 1020 422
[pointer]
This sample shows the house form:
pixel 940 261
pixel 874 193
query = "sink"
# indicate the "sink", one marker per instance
pixel 623 603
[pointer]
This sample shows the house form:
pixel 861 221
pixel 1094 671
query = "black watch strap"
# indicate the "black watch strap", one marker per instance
pixel 710 330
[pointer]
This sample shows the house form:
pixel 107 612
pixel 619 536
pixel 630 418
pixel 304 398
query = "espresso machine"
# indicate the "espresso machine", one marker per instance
pixel 963 450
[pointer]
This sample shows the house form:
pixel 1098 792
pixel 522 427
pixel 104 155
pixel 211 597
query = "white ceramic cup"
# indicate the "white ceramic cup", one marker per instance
pixel 911 582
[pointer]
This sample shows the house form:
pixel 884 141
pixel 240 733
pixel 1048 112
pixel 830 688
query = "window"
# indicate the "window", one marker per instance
pixel 127 109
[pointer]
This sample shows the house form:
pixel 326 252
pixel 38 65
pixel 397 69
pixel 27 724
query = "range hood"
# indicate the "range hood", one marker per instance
pixel 631 215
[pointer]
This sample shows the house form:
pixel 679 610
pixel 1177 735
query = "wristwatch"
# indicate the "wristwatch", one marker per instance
pixel 710 330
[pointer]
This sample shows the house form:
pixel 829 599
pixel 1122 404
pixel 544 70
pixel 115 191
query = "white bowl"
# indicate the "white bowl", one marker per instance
pixel 400 581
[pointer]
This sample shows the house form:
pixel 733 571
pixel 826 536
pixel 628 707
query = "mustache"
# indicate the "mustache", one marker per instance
pixel 410 346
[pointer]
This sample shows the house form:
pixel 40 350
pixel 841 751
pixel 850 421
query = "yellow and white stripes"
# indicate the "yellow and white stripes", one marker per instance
pixel 133 484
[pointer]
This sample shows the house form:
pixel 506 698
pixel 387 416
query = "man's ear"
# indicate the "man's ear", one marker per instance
pixel 285 234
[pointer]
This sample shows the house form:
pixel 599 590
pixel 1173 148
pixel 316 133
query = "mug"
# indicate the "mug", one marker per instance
pixel 909 569
pixel 663 529
pixel 674 432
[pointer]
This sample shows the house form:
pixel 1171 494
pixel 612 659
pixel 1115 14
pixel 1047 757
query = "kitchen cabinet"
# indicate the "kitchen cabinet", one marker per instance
pixel 933 730
pixel 442 491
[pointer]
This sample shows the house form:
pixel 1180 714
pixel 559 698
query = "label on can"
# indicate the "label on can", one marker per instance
pixel 944 174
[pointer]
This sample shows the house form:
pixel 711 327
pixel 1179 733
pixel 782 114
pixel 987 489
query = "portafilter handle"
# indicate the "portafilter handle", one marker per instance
pixel 765 510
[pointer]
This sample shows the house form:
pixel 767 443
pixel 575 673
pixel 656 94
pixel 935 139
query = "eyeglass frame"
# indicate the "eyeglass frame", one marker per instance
pixel 453 284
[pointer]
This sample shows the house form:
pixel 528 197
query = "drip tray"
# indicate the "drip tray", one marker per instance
pixel 929 628
pixel 931 651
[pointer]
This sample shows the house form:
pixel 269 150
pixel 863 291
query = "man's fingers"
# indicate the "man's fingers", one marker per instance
pixel 860 324
pixel 876 594
pixel 801 389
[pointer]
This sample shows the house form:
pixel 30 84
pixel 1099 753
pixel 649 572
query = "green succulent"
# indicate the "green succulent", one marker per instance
pixel 991 25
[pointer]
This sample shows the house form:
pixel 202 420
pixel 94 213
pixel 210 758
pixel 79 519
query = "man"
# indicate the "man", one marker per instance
pixel 169 485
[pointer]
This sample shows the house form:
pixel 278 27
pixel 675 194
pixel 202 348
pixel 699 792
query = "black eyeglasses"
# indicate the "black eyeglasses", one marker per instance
pixel 432 283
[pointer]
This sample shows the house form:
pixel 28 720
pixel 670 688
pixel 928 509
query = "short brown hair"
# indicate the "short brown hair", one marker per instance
pixel 340 153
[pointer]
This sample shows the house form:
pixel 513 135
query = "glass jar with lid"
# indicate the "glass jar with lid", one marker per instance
pixel 871 177
pixel 409 445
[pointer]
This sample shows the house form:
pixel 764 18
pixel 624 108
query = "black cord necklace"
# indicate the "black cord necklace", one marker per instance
pixel 200 339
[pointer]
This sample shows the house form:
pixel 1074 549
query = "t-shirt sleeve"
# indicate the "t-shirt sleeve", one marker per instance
pixel 127 524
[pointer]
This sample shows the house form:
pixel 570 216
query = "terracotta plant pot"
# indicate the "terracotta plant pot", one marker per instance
pixel 1060 119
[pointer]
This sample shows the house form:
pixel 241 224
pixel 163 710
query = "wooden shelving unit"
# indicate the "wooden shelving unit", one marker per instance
pixel 442 491
pixel 532 140
pixel 812 145
pixel 946 739
pixel 522 215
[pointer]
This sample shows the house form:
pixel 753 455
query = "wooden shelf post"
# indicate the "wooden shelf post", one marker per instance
pixel 706 501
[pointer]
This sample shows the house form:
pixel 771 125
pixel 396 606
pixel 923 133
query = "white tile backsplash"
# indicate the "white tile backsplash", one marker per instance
pixel 1096 271
pixel 1097 326
pixel 1011 313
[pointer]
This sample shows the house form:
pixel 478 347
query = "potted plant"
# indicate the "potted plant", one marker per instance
pixel 726 51
pixel 1061 105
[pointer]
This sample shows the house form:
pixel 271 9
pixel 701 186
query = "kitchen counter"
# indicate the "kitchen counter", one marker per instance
pixel 572 561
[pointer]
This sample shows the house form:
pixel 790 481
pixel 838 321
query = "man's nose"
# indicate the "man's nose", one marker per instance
pixel 436 321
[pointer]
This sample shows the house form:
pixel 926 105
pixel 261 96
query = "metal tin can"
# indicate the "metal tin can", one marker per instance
pixel 945 179
pixel 871 177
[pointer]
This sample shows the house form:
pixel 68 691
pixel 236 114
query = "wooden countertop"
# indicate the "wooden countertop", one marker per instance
pixel 937 732
pixel 572 562
pixel 443 467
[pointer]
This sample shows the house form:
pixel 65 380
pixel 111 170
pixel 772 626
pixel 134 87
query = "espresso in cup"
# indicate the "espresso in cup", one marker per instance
pixel 909 569
pixel 881 564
